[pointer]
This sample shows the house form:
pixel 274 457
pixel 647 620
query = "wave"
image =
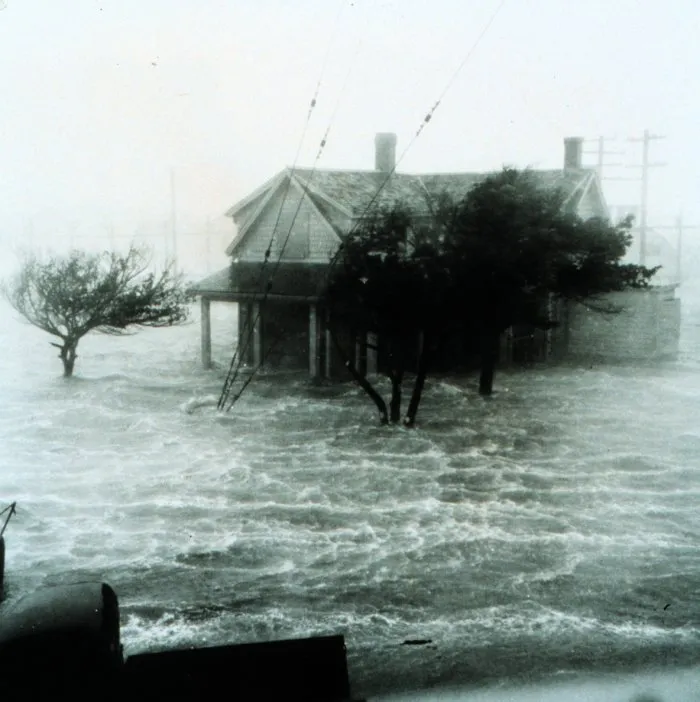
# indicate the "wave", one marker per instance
pixel 195 403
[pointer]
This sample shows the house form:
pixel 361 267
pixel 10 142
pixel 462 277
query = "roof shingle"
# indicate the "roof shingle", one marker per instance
pixel 356 191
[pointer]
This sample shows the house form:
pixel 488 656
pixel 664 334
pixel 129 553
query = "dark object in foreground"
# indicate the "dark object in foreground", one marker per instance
pixel 308 669
pixel 66 641
pixel 416 642
pixel 61 639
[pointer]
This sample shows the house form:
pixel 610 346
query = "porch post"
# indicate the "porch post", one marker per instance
pixel 329 346
pixel 257 336
pixel 314 358
pixel 243 322
pixel 205 305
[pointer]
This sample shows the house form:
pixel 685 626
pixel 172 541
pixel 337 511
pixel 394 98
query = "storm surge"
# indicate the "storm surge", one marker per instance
pixel 548 531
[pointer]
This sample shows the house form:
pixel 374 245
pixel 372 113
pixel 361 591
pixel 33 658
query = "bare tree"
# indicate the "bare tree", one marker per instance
pixel 70 296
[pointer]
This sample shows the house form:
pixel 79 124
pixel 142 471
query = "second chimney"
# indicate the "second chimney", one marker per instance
pixel 573 153
pixel 385 152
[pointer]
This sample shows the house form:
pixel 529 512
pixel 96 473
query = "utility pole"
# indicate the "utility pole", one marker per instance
pixel 643 227
pixel 679 249
pixel 601 153
pixel 173 216
pixel 204 236
pixel 645 166
pixel 679 228
pixel 208 236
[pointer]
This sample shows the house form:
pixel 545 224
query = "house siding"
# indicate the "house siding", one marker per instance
pixel 311 239
pixel 591 205
pixel 646 328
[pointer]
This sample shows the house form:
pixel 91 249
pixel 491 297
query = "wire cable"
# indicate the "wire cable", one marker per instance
pixel 268 287
pixel 239 353
pixel 428 117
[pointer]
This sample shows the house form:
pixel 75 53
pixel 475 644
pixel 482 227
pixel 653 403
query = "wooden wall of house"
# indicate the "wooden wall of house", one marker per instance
pixel 311 239
pixel 591 204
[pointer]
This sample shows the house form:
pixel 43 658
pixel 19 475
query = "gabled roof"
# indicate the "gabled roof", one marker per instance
pixel 257 194
pixel 351 193
pixel 355 191
pixel 248 210
pixel 215 284
pixel 340 196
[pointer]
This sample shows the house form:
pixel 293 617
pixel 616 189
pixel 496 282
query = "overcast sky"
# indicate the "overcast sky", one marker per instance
pixel 102 99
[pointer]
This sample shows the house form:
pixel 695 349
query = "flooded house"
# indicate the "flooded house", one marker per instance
pixel 288 229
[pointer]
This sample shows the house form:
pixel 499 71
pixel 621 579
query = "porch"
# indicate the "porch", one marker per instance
pixel 285 328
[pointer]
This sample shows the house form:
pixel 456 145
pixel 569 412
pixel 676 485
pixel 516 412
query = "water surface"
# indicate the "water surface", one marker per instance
pixel 552 528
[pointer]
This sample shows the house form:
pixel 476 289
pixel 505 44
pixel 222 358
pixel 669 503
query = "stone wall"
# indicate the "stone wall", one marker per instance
pixel 647 327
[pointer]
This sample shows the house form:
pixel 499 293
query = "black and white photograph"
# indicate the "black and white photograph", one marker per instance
pixel 350 350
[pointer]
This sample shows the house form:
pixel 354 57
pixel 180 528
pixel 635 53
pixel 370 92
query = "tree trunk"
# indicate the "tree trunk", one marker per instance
pixel 68 356
pixel 396 361
pixel 396 378
pixel 422 371
pixel 361 380
pixel 489 356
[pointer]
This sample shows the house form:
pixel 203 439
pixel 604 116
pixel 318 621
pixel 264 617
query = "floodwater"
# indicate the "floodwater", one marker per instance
pixel 549 530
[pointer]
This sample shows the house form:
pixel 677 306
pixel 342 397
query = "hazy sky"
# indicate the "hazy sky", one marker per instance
pixel 102 98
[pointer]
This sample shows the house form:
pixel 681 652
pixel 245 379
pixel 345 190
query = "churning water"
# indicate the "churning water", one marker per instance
pixel 550 529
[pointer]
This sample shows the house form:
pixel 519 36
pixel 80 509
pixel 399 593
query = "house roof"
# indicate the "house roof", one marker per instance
pixel 354 191
pixel 342 195
pixel 288 280
pixel 216 284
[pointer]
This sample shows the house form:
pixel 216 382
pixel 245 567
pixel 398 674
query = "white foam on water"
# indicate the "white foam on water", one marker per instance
pixel 565 507
pixel 680 685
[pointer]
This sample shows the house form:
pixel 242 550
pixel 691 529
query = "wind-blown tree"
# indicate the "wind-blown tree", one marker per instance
pixel 515 246
pixel 107 293
pixel 389 279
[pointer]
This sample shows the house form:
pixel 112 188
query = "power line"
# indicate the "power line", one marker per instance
pixel 643 179
pixel 236 361
pixel 457 71
pixel 422 126
pixel 173 216
pixel 226 390
pixel 645 166
pixel 268 287
pixel 679 227
pixel 601 153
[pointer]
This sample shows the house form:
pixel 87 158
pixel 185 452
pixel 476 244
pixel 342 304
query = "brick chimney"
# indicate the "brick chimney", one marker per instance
pixel 573 153
pixel 385 152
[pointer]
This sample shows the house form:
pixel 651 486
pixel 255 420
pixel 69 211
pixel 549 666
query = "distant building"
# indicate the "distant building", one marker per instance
pixel 302 215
